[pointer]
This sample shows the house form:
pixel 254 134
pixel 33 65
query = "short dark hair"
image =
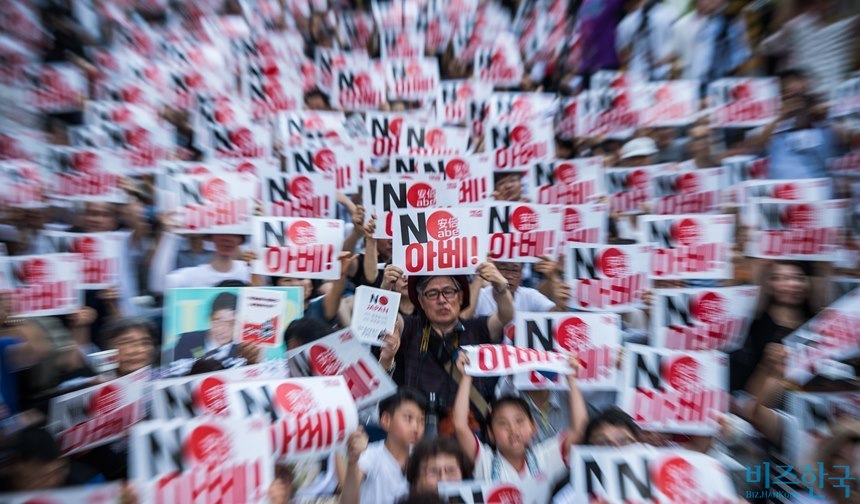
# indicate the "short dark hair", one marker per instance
pixel 232 283
pixel 202 366
pixel 429 448
pixel 403 395
pixel 508 400
pixel 118 327
pixel 306 330
pixel 35 444
pixel 426 497
pixel 224 301
pixel 795 73
pixel 612 416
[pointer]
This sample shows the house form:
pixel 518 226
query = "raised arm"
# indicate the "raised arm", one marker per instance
pixel 351 241
pixel 355 446
pixel 331 301
pixel 578 410
pixel 371 252
pixel 460 415
pixel 764 386
pixel 502 296
pixel 478 283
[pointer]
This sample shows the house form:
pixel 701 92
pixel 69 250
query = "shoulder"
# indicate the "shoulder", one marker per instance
pixel 371 456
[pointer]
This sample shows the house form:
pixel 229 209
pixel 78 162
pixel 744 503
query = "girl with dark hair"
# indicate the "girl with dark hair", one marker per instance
pixel 436 460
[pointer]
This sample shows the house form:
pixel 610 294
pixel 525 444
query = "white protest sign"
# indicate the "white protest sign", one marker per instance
pixel 522 232
pixel 310 417
pixel 85 174
pixel 845 98
pixel 606 112
pixel 595 338
pixel 832 334
pixel 514 146
pixel 98 415
pixel 500 65
pixel 473 173
pixel 104 493
pixel 566 127
pixel 743 102
pixel 344 163
pixel 667 103
pixel 412 79
pixel 261 317
pixel 374 313
pixel 814 414
pixel 220 203
pixel 816 189
pixel 311 195
pixel 296 127
pixel 223 128
pixel 796 230
pixel 330 61
pixel 631 188
pixel 100 255
pixel 504 360
pixel 383 194
pixel 401 43
pixel 294 247
pixel 607 277
pixel 45 285
pixel 357 88
pixel 739 169
pixel 514 107
pixel 384 129
pixel 694 246
pixel 586 223
pixel 640 473
pixel 455 98
pixel 55 87
pixel 524 491
pixel 688 191
pixel 340 354
pixel 567 182
pixel 673 390
pixel 206 459
pixel 702 318
pixel 439 242
pixel 23 182
pixel 432 140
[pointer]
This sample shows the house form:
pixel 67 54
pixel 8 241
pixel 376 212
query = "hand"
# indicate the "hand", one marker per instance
pixel 251 352
pixel 248 256
pixel 562 295
pixel 109 294
pixel 83 317
pixel 576 366
pixel 168 223
pixel 356 443
pixel 462 362
pixel 358 218
pixel 345 259
pixel 258 207
pixel 128 495
pixel 369 228
pixel 279 492
pixel 491 274
pixel 547 267
pixel 775 355
pixel 390 345
pixel 648 297
pixel 390 277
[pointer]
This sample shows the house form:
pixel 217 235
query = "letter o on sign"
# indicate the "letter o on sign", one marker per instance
pixel 414 257
pixel 485 354
pixel 273 259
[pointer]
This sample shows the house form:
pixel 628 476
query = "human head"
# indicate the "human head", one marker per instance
pixel 435 460
pixel 789 283
pixel 227 245
pixel 508 186
pixel 640 151
pixel 513 273
pixel 612 427
pixel 305 330
pixel 316 100
pixel 304 283
pixel 35 461
pixel 440 310
pixel 203 366
pixel 133 339
pixel 99 217
pixel 793 83
pixel 401 416
pixel 383 248
pixel 223 318
pixel 842 448
pixel 700 141
pixel 510 426
pixel 422 497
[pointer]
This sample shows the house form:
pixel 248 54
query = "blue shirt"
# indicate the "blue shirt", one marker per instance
pixel 8 380
pixel 800 154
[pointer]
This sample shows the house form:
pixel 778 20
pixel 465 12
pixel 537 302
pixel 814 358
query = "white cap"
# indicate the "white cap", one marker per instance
pixel 642 146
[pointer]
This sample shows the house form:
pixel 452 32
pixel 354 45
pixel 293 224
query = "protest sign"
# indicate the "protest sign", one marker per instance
pixel 85 174
pixel 673 390
pixel 473 173
pixel 384 129
pixel 98 415
pixel 44 285
pixel 743 102
pixel 329 61
pixel 832 334
pixel 218 203
pixel 341 354
pixel 311 195
pixel 261 319
pixel 104 493
pixel 383 194
pixel 267 88
pixel 814 414
pixel 847 165
pixel 817 189
pixel 702 318
pixel 666 104
pixel 688 191
pixel 23 182
pixel 455 98
pixel 344 163
pixel 606 112
pixel 514 146
pixel 499 66
pixel 55 87
pixel 411 79
pixel 294 128
pixel 206 394
pixel 607 277
pixel 400 43
pixel 206 459
pixel 567 182
pixel 566 127
pixel 374 313
pixel 432 140
pixel 357 88
pixel 101 255
pixel 223 128
pixel 586 223
pixel 504 360
pixel 524 491
pixel 294 247
pixel 594 338
pixel 845 98
pixel 641 473
pixel 202 323
pixel 630 189
pixel 796 230
pixel 694 246
pixel 739 169
pixel 309 417
pixel 515 107
pixel 137 133
pixel 439 242
pixel 522 232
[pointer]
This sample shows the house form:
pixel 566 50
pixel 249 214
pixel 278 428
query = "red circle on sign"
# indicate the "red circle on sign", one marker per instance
pixel 35 270
pixel 224 114
pixel 85 161
pixel 383 300
pixel 638 179
pixel 457 169
pixel 88 246
pixel 800 216
pixel 688 183
pixel 524 219
pixel 216 190
pixel 786 191
pixel 521 135
pixel 683 374
pixel 566 173
pixel 572 219
pixel 709 308
pixel 363 82
pixel 614 263
pixel 301 187
pixel 324 361
pixel 439 225
pixel 293 398
pixel 505 494
pixel 325 160
pixel 421 195
pixel 242 137
pixel 676 478
pixel 687 232
pixel 212 395
pixel 106 400
pixel 436 138
pixel 302 232
pixel 572 334
pixel 247 167
pixel 394 126
pixel 209 444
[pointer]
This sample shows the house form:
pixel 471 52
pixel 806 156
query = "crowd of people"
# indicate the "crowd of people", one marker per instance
pixel 210 85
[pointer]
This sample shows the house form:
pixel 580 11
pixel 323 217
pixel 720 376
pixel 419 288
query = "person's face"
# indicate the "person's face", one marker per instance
pixel 383 247
pixel 226 245
pixel 442 467
pixel 315 102
pixel 99 217
pixel 512 430
pixel 794 86
pixel 38 475
pixel 513 273
pixel 612 435
pixel 509 187
pixel 789 285
pixel 438 307
pixel 406 425
pixel 700 141
pixel 304 283
pixel 135 349
pixel 223 325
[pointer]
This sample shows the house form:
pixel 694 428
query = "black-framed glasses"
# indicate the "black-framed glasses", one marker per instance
pixel 448 293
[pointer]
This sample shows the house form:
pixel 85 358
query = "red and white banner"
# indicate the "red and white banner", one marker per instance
pixel 606 112
pixel 630 189
pixel 346 163
pixel 374 313
pixel 439 242
pixel 85 174
pixel 522 232
pixel 384 129
pixel 666 104
pixel 500 65
pixel 100 255
pixel 220 203
pixel 98 415
pixel 702 318
pixel 595 338
pixel 311 195
pixel 401 43
pixel 675 391
pixel 814 415
pixel 456 98
pixel 261 317
pixel 341 354
pixel 514 146
pixel 584 223
pixel 524 491
pixel 473 173
pixel 205 459
pixel 846 165
pixel 567 182
pixel 329 61
pixel 504 360
pixel 688 191
pixel 743 102
pixel 566 127
pixel 412 79
pixel 695 246
pixel 268 87
pixel 817 189
pixel 357 88
pixel 516 107
pixel 55 87
pixel 797 230
pixel 223 128
pixel 740 169
pixel 644 474
pixel 23 184
pixel 44 285
pixel 138 133
pixel 833 334
pixel 419 139
pixel 310 417
pixel 609 278
pixel 295 128
pixel 104 493
pixel 383 194
pixel 292 247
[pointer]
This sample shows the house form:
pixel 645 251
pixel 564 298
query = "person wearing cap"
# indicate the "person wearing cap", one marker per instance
pixel 640 151
pixel 430 339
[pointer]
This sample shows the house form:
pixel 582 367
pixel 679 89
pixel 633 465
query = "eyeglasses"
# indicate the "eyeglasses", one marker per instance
pixel 447 293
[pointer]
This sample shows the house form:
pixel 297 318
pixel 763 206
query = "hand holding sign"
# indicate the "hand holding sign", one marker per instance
pixel 488 272
pixel 390 277
pixel 356 443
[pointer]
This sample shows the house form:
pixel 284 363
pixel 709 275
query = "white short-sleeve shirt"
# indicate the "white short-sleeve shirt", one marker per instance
pixel 526 299
pixel 384 481
pixel 550 456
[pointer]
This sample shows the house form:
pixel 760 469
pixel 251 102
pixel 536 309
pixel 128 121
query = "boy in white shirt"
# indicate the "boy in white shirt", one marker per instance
pixel 376 473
